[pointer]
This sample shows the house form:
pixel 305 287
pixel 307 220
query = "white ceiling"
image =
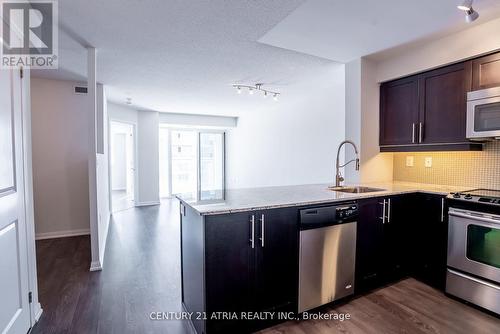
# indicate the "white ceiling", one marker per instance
pixel 344 30
pixel 180 56
pixel 183 55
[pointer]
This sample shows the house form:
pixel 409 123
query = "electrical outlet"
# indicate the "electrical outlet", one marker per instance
pixel 428 162
pixel 409 161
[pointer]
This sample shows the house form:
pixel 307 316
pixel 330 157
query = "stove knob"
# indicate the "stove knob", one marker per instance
pixel 456 195
pixel 468 196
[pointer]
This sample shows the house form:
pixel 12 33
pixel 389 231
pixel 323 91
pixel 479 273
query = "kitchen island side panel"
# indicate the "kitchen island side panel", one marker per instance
pixel 192 264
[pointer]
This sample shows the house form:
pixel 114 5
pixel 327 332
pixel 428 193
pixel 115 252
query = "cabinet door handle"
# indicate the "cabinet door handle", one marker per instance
pixel 413 133
pixel 420 132
pixel 442 210
pixel 383 211
pixel 389 210
pixel 252 232
pixel 262 228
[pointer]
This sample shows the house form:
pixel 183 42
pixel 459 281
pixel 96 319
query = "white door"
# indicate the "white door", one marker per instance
pixel 130 156
pixel 14 301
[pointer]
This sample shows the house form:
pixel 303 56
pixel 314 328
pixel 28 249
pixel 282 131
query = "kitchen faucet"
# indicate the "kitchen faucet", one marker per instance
pixel 338 177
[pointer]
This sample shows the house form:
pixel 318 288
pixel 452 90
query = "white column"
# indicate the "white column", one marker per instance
pixel 94 219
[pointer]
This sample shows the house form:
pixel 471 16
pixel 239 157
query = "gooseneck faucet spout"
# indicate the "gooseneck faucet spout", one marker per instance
pixel 338 177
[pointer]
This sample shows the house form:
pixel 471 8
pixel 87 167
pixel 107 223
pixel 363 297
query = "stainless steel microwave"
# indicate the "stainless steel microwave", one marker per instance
pixel 483 114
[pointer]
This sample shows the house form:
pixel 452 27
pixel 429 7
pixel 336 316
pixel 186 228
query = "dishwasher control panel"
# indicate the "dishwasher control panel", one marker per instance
pixel 347 211
pixel 328 215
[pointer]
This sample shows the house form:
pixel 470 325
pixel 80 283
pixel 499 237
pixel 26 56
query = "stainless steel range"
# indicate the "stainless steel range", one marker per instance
pixel 473 272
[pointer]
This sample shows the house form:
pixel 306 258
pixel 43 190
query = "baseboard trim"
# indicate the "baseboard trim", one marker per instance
pixel 61 234
pixel 95 266
pixel 147 203
pixel 39 312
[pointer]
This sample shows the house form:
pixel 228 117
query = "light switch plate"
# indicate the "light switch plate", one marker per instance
pixel 410 161
pixel 428 162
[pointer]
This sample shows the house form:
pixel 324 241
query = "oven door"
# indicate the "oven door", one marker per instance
pixel 474 243
pixel 483 118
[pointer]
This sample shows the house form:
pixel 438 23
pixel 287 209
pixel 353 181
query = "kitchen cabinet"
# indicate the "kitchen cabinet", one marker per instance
pixel 382 247
pixel 251 265
pixel 443 104
pixel 396 224
pixel 429 240
pixel 369 245
pixel 399 112
pixel 426 112
pixel 486 72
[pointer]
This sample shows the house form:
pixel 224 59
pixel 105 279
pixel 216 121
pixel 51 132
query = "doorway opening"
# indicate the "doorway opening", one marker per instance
pixel 122 165
pixel 192 163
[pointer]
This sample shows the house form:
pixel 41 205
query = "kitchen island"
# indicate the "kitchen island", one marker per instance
pixel 240 248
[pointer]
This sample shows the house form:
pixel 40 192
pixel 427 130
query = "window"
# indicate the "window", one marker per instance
pixel 191 163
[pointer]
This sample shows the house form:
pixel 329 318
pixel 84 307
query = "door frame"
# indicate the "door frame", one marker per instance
pixel 136 167
pixel 35 307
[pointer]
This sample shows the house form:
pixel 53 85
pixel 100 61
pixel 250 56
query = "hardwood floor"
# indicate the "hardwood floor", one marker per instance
pixel 408 306
pixel 142 275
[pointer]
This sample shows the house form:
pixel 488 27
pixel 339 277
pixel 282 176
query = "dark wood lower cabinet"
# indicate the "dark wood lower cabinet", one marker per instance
pixel 411 240
pixel 245 278
pixel 429 240
pixel 225 273
pixel 369 245
pixel 396 226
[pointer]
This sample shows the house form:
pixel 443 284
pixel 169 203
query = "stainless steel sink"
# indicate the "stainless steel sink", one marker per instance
pixel 355 190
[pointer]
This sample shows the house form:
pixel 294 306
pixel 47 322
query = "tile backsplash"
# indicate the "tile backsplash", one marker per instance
pixel 467 169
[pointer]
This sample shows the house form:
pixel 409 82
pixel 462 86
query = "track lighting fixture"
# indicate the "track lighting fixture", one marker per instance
pixel 256 88
pixel 471 15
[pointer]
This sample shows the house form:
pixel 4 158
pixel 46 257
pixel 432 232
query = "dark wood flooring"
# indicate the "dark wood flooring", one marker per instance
pixel 408 306
pixel 142 275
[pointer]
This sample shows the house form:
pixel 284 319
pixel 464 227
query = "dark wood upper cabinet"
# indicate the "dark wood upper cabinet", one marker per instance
pixel 443 97
pixel 399 111
pixel 486 72
pixel 427 111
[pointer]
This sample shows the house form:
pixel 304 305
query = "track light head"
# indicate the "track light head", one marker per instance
pixel 470 14
pixel 465 5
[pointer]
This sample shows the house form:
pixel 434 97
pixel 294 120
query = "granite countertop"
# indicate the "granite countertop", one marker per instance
pixel 239 200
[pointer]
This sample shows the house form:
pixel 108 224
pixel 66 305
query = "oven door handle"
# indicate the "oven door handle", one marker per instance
pixel 478 217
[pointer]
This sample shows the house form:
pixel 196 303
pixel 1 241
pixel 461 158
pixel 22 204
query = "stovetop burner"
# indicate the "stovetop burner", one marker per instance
pixel 478 195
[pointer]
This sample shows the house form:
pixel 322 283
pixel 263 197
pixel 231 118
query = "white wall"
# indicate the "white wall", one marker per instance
pixel 477 40
pixel 59 124
pixel 291 141
pixel 148 192
pixel 353 116
pixel 183 120
pixel 147 150
pixel 122 114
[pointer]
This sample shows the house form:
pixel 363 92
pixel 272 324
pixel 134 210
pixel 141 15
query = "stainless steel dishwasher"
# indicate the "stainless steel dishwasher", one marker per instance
pixel 327 254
